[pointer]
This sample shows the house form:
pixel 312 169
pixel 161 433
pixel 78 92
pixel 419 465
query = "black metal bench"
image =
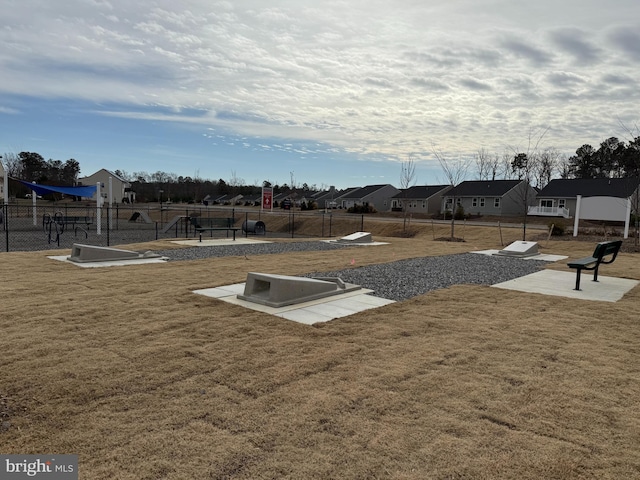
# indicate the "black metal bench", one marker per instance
pixel 213 224
pixel 605 252
pixel 73 220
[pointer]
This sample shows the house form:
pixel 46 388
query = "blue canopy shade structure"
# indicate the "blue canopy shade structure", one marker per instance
pixel 83 191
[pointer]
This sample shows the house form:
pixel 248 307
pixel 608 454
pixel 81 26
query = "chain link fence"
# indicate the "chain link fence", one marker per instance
pixel 46 226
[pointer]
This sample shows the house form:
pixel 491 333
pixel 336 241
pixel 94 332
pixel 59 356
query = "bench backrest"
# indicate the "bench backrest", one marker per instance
pixel 199 222
pixel 604 249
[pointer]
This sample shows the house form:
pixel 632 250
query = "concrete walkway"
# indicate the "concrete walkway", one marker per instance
pixel 316 311
pixel 561 284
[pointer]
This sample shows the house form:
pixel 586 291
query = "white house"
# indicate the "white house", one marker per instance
pixel 606 199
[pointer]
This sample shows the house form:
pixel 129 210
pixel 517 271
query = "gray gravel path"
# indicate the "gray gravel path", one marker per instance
pixel 398 280
pixel 409 278
pixel 196 253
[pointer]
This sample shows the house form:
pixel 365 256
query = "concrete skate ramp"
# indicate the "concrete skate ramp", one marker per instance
pixel 281 290
pixel 357 237
pixel 92 253
pixel 520 249
pixel 142 216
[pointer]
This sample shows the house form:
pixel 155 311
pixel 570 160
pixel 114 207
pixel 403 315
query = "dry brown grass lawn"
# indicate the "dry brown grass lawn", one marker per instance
pixel 145 380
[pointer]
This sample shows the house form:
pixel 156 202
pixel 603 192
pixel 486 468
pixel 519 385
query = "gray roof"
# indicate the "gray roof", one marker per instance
pixel 421 191
pixel 482 188
pixel 363 192
pixel 590 187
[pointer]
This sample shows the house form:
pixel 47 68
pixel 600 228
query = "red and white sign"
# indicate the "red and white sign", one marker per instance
pixel 267 198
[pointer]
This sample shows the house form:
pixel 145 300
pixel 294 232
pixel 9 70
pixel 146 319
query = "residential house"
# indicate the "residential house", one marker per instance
pixel 425 199
pixel 327 198
pixel 254 200
pixel 120 187
pixel 491 197
pixel 602 198
pixel 376 196
pixel 295 198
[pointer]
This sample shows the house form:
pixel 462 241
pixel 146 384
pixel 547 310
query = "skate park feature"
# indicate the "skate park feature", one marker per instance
pixel 520 249
pixel 91 253
pixel 357 237
pixel 310 301
pixel 140 216
pixel 282 290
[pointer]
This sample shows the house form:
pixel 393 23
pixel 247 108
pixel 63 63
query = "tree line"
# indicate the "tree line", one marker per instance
pixel 614 158
pixel 32 167
pixel 149 187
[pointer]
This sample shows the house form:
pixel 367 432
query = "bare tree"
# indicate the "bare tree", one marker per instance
pixel 12 164
pixel 632 135
pixel 547 162
pixel 523 164
pixel 564 166
pixel 455 171
pixel 506 171
pixel 483 161
pixel 407 180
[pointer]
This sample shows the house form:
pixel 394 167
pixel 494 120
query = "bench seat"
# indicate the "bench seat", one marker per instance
pixel 213 224
pixel 604 253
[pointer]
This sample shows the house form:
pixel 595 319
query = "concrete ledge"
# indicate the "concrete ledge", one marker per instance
pixel 281 290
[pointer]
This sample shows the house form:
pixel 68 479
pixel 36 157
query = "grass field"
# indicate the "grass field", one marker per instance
pixel 143 379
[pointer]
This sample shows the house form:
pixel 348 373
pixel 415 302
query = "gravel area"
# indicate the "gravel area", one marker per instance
pixel 196 253
pixel 398 280
pixel 409 278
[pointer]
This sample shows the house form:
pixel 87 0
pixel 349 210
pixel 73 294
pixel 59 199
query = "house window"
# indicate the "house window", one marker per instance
pixel 482 202
pixel 474 202
pixel 496 202
pixel 561 203
pixel 448 203
pixel 546 203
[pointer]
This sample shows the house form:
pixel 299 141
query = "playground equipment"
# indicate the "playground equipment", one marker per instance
pixel 56 225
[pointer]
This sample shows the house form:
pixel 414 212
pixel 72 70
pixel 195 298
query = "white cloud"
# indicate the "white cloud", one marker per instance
pixel 373 77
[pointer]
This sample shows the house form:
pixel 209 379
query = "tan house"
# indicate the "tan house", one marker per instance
pixel 121 188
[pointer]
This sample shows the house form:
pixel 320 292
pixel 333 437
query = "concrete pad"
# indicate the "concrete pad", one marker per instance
pixel 212 242
pixel 540 256
pixel 315 311
pixel 561 284
pixel 111 263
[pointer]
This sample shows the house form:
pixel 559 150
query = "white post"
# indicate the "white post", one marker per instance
pixel 35 212
pixel 110 203
pixel 627 218
pixel 98 209
pixel 577 216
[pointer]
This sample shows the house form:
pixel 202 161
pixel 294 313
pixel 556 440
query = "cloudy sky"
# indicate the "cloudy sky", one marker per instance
pixel 321 92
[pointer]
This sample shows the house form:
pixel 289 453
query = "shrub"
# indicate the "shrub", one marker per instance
pixel 361 209
pixel 557 228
